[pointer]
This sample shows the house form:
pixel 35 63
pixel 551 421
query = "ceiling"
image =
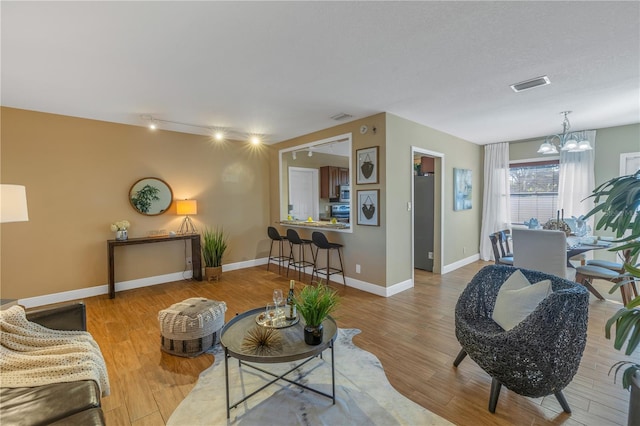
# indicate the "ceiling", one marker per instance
pixel 282 69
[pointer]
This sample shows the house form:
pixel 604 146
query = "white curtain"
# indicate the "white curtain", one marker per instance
pixel 577 180
pixel 496 207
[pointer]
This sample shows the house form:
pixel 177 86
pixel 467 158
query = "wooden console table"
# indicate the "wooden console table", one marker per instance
pixel 195 254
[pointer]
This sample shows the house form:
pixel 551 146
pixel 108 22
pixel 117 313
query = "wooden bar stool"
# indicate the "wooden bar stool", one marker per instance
pixel 301 263
pixel 275 236
pixel 321 243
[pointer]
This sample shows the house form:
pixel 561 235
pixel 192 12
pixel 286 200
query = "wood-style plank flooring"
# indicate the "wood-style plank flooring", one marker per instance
pixel 412 333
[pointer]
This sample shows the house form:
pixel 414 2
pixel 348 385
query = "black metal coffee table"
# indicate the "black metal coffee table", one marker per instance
pixel 293 349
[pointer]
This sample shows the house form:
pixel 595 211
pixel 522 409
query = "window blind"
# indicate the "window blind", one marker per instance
pixel 534 191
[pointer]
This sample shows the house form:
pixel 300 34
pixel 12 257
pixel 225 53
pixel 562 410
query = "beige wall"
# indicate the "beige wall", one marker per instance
pixel 384 252
pixel 78 173
pixel 366 245
pixel 610 143
pixel 461 229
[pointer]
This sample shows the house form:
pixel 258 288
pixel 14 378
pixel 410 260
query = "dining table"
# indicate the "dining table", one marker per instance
pixel 579 245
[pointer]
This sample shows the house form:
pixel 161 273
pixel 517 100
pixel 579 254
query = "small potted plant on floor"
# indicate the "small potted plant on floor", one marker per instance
pixel 314 304
pixel 214 244
pixel 618 200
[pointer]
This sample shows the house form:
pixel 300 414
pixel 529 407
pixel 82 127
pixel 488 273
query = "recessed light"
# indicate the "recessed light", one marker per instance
pixel 530 84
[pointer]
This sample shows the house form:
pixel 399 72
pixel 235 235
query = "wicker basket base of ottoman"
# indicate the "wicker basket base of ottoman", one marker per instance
pixel 191 327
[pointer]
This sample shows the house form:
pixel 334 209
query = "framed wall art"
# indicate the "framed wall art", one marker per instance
pixel 629 163
pixel 367 169
pixel 462 186
pixel 368 207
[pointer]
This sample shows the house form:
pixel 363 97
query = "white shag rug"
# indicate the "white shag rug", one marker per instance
pixel 363 393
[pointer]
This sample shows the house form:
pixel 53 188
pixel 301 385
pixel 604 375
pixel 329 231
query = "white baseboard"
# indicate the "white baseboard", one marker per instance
pixel 82 293
pixel 379 290
pixel 460 263
pixel 65 296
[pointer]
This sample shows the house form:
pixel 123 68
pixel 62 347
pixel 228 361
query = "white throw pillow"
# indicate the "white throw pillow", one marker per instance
pixel 517 298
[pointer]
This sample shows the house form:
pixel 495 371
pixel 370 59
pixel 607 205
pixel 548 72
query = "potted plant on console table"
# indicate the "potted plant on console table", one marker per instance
pixel 314 304
pixel 214 244
pixel 619 209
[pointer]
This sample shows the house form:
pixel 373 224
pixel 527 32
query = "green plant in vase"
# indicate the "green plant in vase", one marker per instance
pixel 214 244
pixel 618 200
pixel 315 304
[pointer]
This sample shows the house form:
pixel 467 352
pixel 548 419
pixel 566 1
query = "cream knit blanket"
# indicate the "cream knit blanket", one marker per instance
pixel 33 355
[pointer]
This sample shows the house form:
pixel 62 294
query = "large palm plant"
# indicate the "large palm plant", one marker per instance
pixel 618 200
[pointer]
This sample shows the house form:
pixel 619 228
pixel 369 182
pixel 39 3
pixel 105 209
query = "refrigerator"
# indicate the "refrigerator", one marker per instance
pixel 423 222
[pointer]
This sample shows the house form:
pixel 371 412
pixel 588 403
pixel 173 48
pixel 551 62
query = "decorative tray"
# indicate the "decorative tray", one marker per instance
pixel 282 322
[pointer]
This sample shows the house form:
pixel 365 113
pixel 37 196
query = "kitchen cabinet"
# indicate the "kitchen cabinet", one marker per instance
pixel 330 180
pixel 343 174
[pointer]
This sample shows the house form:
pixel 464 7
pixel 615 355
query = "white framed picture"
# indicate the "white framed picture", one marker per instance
pixel 367 170
pixel 629 163
pixel 368 207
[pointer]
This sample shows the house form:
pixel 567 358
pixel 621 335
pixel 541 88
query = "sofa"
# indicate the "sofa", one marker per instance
pixel 72 403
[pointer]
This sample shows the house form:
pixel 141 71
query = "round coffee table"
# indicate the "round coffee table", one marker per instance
pixel 293 349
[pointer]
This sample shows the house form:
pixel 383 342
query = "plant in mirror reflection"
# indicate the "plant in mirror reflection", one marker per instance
pixel 143 198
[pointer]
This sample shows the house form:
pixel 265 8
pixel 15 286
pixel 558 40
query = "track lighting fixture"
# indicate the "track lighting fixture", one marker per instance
pixel 218 134
pixel 324 150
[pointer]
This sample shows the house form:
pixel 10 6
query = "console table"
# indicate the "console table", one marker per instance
pixel 195 254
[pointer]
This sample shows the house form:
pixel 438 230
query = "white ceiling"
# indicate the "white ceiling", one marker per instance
pixel 284 68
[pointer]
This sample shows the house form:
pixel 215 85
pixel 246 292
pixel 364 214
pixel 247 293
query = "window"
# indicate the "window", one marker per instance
pixel 534 190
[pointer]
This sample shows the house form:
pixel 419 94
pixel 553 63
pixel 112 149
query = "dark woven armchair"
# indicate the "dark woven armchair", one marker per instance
pixel 537 357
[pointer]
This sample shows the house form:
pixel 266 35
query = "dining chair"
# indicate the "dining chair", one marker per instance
pixel 541 250
pixel 609 271
pixel 546 251
pixel 501 251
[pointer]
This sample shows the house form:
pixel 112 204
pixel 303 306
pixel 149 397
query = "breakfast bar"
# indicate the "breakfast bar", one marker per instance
pixel 316 224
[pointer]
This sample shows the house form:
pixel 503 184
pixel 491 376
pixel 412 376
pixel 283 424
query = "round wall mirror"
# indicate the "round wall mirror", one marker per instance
pixel 150 196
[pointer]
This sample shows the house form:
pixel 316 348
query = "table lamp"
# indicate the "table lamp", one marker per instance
pixel 186 208
pixel 13 203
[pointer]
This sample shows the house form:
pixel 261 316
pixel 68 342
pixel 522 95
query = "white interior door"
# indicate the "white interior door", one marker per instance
pixel 304 198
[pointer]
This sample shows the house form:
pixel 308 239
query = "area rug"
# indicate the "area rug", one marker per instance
pixel 363 393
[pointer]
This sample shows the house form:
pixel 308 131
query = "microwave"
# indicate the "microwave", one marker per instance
pixel 345 193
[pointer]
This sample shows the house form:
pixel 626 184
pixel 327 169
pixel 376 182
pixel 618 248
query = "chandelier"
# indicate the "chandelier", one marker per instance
pixel 567 141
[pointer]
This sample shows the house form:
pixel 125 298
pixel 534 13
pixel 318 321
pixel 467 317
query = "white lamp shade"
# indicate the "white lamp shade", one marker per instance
pixel 13 203
pixel 186 207
pixel 584 145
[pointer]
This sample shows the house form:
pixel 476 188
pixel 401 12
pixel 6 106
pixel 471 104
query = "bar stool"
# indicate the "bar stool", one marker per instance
pixel 321 243
pixel 301 263
pixel 275 236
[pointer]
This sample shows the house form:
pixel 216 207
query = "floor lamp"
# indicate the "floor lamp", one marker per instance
pixel 186 208
pixel 13 203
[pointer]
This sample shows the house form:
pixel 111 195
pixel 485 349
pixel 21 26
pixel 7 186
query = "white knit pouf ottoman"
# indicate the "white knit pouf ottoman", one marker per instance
pixel 192 326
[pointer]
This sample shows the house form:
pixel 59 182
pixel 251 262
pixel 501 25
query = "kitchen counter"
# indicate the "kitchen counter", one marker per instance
pixel 315 224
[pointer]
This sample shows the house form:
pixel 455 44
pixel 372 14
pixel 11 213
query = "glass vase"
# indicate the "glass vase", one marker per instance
pixel 121 235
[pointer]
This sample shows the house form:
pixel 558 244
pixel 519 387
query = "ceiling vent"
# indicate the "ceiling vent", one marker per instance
pixel 341 116
pixel 530 84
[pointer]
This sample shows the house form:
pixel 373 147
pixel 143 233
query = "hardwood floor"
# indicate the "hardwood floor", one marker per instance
pixel 412 333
